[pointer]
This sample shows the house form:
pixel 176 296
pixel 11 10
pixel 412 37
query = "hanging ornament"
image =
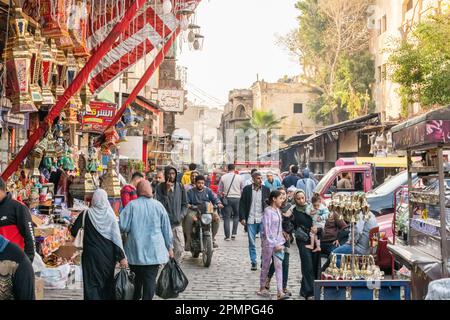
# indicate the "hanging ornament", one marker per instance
pixel 191 36
pixel 184 23
pixel 167 6
pixel 18 58
pixel 196 44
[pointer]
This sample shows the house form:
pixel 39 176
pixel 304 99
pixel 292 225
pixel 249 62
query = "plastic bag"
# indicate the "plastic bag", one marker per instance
pixel 172 281
pixel 56 278
pixel 124 285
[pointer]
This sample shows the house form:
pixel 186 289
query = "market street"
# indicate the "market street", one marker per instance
pixel 229 276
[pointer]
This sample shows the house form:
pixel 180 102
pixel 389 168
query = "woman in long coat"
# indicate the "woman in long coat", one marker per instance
pixel 102 248
pixel 310 261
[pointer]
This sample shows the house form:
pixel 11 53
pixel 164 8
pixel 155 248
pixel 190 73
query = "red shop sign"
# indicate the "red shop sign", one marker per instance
pixel 100 116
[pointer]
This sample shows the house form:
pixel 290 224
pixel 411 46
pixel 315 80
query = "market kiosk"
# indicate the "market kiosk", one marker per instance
pixel 426 253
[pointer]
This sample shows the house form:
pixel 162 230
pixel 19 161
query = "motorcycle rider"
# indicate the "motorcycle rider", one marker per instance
pixel 198 196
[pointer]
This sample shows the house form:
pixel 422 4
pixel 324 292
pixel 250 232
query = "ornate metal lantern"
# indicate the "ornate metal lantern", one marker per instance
pixel 60 74
pixel 36 67
pixel 111 182
pixel 48 54
pixel 18 64
pixel 83 186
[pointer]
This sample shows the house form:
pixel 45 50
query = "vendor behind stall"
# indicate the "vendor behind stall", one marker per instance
pixel 15 222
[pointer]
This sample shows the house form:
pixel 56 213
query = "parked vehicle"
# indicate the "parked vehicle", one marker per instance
pixel 360 177
pixel 202 242
pixel 382 198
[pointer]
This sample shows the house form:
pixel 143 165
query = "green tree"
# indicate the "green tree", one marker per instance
pixel 332 45
pixel 420 63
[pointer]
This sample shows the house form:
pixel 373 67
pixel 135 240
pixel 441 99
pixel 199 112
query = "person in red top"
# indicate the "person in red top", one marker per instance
pixel 15 222
pixel 128 192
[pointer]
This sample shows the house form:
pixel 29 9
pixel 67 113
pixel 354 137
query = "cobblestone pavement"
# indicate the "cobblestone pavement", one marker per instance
pixel 228 278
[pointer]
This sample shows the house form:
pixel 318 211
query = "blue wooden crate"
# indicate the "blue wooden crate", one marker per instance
pixel 362 290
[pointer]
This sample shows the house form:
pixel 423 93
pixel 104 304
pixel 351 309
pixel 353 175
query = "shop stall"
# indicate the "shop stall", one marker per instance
pixel 353 276
pixel 426 253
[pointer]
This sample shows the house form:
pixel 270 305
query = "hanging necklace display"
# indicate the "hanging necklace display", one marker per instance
pixel 18 64
pixel 352 208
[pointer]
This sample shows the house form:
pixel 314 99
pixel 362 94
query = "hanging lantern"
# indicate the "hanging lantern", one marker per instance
pixel 60 74
pixel 83 186
pixel 48 60
pixel 72 70
pixel 78 34
pixel 111 182
pixel 191 36
pixel 53 13
pixel 18 65
pixel 36 66
pixel 198 42
pixel 85 92
pixel 167 6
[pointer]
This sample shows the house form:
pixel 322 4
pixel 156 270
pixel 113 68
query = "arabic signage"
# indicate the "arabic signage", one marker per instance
pixel 99 117
pixel 171 100
pixel 423 133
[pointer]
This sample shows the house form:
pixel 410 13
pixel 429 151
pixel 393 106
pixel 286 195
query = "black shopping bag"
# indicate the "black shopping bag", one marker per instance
pixel 172 281
pixel 124 285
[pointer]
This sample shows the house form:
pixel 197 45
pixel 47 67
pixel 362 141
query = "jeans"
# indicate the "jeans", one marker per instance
pixel 231 211
pixel 253 230
pixel 345 249
pixel 285 270
pixel 145 281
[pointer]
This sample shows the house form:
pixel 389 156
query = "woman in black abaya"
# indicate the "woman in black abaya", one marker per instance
pixel 102 248
pixel 310 261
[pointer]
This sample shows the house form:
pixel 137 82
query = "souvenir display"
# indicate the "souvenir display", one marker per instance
pixel 364 268
pixel 83 185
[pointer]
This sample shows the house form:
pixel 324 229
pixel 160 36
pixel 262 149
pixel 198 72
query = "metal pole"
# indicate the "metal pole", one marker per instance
pixel 353 249
pixel 444 248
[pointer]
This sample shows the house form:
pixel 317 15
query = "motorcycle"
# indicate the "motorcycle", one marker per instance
pixel 202 240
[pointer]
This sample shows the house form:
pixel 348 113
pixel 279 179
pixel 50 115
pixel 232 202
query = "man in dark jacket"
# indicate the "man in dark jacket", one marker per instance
pixel 292 178
pixel 15 222
pixel 16 273
pixel 251 209
pixel 173 197
pixel 198 196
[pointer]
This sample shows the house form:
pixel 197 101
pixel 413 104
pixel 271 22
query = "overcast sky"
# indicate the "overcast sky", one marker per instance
pixel 240 43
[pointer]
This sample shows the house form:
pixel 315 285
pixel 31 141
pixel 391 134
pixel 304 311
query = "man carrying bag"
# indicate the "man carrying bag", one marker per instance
pixel 230 188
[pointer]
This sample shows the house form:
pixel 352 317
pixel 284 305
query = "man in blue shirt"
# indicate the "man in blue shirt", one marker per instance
pixel 198 196
pixel 271 182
